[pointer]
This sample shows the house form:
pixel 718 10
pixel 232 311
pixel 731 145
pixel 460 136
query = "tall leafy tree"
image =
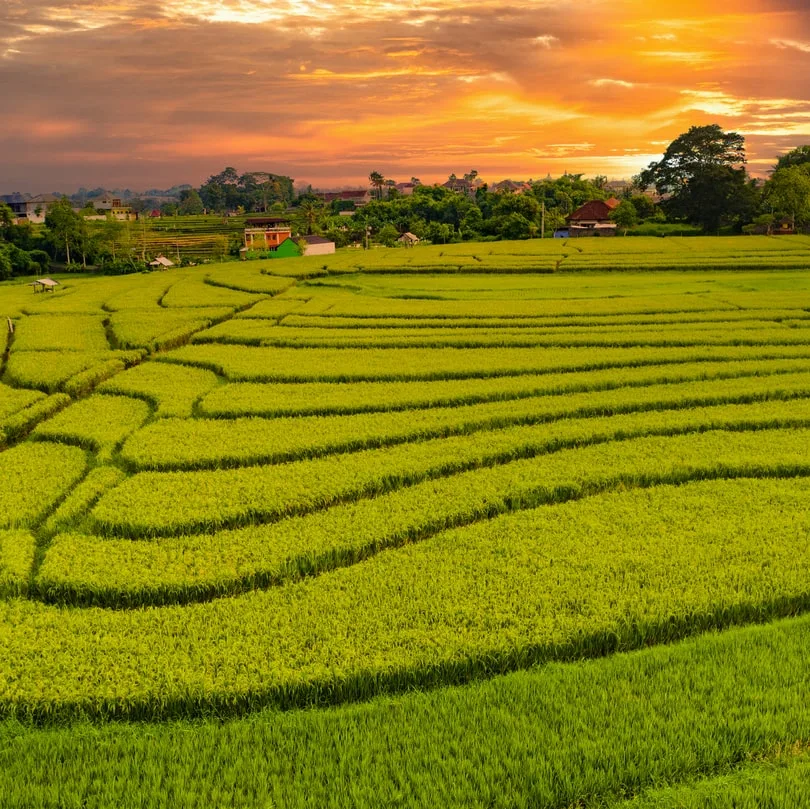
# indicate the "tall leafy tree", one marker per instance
pixel 309 212
pixel 625 215
pixel 799 156
pixel 788 193
pixel 64 227
pixel 698 175
pixel 190 203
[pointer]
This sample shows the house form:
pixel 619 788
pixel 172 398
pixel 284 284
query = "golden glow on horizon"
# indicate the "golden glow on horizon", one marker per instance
pixel 328 90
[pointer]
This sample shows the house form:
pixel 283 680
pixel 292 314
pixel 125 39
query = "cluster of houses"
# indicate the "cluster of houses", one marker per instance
pixel 274 235
pixel 34 209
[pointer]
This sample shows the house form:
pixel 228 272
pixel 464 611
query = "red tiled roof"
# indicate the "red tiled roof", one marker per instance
pixel 596 209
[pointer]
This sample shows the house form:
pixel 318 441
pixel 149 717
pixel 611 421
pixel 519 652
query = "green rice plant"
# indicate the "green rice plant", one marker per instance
pixel 166 503
pixel 86 381
pixel 195 292
pixel 99 423
pixel 248 278
pixel 35 476
pixel 172 389
pixel 17 549
pixel 78 296
pixel 260 333
pixel 244 363
pixel 143 292
pixel 16 426
pixel 60 333
pixel 13 400
pixel 161 328
pixel 634 724
pixel 363 306
pixel 51 371
pixel 324 398
pixel 788 317
pixel 100 570
pixel 579 579
pixel 275 308
pixel 76 504
pixel 775 782
pixel 201 443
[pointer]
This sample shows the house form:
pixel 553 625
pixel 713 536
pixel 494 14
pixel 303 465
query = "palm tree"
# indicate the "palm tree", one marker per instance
pixel 377 181
pixel 309 211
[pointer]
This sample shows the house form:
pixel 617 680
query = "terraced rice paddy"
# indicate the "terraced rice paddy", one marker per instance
pixel 500 530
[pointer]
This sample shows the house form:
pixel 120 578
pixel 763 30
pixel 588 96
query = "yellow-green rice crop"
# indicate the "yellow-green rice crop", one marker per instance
pixel 313 398
pixel 789 317
pixel 99 423
pixel 17 550
pixel 179 444
pixel 362 306
pixel 194 292
pixel 262 333
pixel 631 722
pixel 248 278
pixel 161 328
pixel 172 389
pixel 53 370
pixel 275 308
pixel 614 461
pixel 161 503
pixel 15 427
pixel 368 364
pixel 614 571
pixel 34 477
pixel 61 333
pixel 13 400
pixel 101 570
pixel 76 504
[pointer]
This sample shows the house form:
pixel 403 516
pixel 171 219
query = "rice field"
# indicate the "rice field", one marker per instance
pixel 488 525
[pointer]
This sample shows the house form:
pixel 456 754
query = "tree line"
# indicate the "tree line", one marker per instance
pixel 701 182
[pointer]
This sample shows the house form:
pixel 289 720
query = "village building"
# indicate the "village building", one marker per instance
pixel 44 285
pixel 510 187
pixel 618 186
pixel 408 239
pixel 459 185
pixel 161 263
pixel 783 227
pixel 593 219
pixel 266 233
pixel 358 197
pixel 289 248
pixel 114 206
pixel 32 209
pixel 406 189
pixel 318 246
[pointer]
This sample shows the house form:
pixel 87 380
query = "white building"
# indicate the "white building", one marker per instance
pixel 318 246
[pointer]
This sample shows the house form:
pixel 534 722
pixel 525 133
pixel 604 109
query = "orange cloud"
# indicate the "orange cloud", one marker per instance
pixel 143 92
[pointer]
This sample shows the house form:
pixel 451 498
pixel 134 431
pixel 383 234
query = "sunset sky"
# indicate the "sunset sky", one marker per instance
pixel 148 94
